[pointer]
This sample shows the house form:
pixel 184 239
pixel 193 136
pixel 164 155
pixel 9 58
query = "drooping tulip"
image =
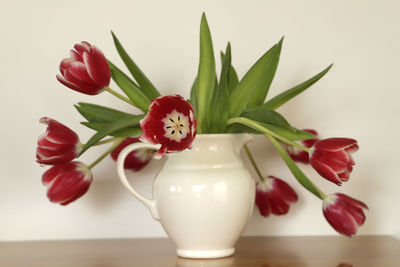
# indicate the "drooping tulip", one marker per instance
pixel 275 196
pixel 169 122
pixel 332 159
pixel 344 214
pixel 58 145
pixel 300 155
pixel 136 160
pixel 67 182
pixel 86 70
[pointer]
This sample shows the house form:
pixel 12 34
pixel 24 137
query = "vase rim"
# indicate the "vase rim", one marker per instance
pixel 218 135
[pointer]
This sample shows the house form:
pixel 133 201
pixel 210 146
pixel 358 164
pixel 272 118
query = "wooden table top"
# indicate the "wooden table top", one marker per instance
pixel 332 251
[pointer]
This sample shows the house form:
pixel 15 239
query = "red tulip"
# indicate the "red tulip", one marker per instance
pixel 86 70
pixel 136 160
pixel 67 182
pixel 171 123
pixel 274 196
pixel 58 145
pixel 344 214
pixel 332 160
pixel 300 155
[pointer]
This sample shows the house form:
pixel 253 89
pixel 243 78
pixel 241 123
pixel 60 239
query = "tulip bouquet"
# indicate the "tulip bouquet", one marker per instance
pixel 224 104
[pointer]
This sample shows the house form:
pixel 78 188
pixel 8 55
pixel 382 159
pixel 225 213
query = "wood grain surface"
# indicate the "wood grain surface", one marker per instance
pixel 332 251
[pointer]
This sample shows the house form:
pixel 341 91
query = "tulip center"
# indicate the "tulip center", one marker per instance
pixel 176 126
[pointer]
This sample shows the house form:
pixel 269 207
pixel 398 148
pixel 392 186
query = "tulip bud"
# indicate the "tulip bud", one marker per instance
pixel 86 70
pixel 332 160
pixel 169 122
pixel 136 160
pixel 58 145
pixel 344 214
pixel 67 182
pixel 273 195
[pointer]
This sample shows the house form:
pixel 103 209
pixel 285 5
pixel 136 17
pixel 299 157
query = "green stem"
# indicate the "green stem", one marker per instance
pixel 300 176
pixel 260 128
pixel 105 154
pixel 107 141
pixel 123 98
pixel 253 162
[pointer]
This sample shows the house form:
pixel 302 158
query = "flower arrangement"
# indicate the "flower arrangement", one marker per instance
pixel 225 104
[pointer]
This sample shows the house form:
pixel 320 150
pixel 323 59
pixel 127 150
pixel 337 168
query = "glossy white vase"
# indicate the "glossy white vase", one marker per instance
pixel 203 197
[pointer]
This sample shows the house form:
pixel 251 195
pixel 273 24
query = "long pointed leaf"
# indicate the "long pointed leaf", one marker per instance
pixel 258 97
pixel 130 89
pixel 97 113
pixel 206 75
pixel 233 77
pixel 256 80
pixel 145 84
pixel 107 130
pixel 126 132
pixel 282 98
pixel 220 101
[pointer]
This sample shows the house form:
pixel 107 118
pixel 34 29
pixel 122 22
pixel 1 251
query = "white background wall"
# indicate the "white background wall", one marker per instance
pixel 358 98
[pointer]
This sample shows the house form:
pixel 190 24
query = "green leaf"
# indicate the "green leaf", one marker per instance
pixel 282 98
pixel 126 132
pixel 258 97
pixel 220 106
pixel 267 116
pixel 233 77
pixel 193 97
pixel 206 75
pixel 255 83
pixel 108 129
pixel 130 89
pixel 145 84
pixel 298 174
pixel 97 113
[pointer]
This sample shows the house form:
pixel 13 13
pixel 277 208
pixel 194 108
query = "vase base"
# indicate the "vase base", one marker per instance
pixel 205 254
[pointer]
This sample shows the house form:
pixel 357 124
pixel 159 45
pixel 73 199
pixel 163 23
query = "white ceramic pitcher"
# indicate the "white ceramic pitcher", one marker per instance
pixel 203 197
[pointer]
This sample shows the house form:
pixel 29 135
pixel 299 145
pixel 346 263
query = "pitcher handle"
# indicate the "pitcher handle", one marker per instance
pixel 149 203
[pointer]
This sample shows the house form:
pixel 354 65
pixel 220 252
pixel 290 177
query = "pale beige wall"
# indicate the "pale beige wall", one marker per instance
pixel 358 98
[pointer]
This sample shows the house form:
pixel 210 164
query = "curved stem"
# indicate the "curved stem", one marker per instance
pixel 253 162
pixel 107 141
pixel 105 154
pixel 123 98
pixel 260 128
pixel 300 176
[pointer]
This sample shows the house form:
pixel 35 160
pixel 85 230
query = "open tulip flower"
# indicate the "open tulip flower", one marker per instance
pixel 86 70
pixel 136 160
pixel 58 145
pixel 332 160
pixel 274 196
pixel 67 182
pixel 301 155
pixel 344 214
pixel 169 122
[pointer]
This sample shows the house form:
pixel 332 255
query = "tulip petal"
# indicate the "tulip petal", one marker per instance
pixel 335 144
pixel 97 67
pixel 325 171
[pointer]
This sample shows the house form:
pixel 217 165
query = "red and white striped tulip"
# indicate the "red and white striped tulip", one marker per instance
pixel 67 182
pixel 136 160
pixel 169 122
pixel 300 155
pixel 58 145
pixel 86 70
pixel 344 214
pixel 332 159
pixel 275 196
